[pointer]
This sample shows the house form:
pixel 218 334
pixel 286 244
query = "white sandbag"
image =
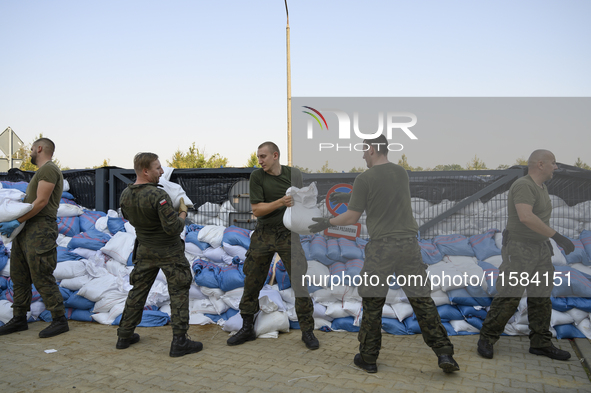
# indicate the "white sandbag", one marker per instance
pixel 198 218
pixel 270 300
pixel 117 269
pixel 115 311
pixel 472 209
pixel 582 268
pixel 497 202
pixel 441 275
pixel 235 251
pixel 63 240
pixel 319 323
pixel 6 240
pixel 318 273
pixel 5 311
pixel 584 209
pixel 94 289
pixel 74 284
pixel 471 273
pixel 209 292
pixel 102 318
pixel 233 324
pixel 203 306
pixel 6 270
pixel 561 318
pixel 110 300
pixel 219 305
pixel 209 209
pixel 158 294
pixel 440 298
pixel 11 210
pixel 558 259
pixel 165 308
pixel 193 249
pixel 129 228
pixel 585 327
pixel 176 192
pixel 388 312
pixel 68 210
pixel 418 205
pixel 198 318
pixel 336 309
pixel 345 292
pixel 273 322
pixel 298 217
pixel 92 255
pixel 577 314
pixel 216 221
pixel 195 292
pixel 232 298
pixel 119 247
pixel 12 194
pixel 499 240
pixel 320 312
pixel 69 269
pixel 463 326
pixel 66 186
pixel 402 310
pixel 101 224
pixel 436 210
pixel 217 255
pixel 225 211
pixel 557 202
pixel 211 234
pixel 495 260
pixel 396 296
pixel 36 309
pixel 288 296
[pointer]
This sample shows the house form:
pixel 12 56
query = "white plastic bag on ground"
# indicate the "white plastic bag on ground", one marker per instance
pixel 298 217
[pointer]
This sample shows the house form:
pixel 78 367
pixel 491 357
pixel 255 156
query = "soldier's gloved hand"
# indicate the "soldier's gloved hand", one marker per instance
pixel 6 228
pixel 322 224
pixel 183 207
pixel 340 197
pixel 564 242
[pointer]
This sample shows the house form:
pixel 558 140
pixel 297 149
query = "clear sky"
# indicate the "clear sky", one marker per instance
pixel 106 79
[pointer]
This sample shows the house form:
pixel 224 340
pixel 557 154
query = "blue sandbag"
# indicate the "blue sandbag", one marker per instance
pixel 412 325
pixel 560 304
pixel 353 268
pixel 79 315
pixel 475 321
pixel 349 249
pixel 206 274
pixel 237 236
pixel 150 318
pixel 21 185
pixel 78 302
pixel 345 323
pixel 585 238
pixel 193 237
pixel 225 316
pixel 88 219
pixel 333 251
pixel 281 275
pixel 294 324
pixel 450 329
pixel 484 245
pixel 91 239
pixel 479 295
pixel 447 312
pixel 568 331
pixel 232 276
pixel 491 274
pixel 453 245
pixel 582 303
pixel 393 326
pixel 579 255
pixel 318 250
pixel 67 195
pixel 68 226
pixel 470 311
pixel 115 224
pixel 570 282
pixel 3 283
pixel 461 296
pixel 429 252
pixel 63 254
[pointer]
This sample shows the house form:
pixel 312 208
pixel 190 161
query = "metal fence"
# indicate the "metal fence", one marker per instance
pixel 463 202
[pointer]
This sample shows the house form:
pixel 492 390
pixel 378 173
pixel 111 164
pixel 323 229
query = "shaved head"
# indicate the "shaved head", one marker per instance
pixel 539 155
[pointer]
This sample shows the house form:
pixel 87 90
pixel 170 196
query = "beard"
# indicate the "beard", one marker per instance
pixel 34 160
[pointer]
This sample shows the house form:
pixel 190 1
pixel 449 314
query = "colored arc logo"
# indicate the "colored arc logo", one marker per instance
pixel 319 114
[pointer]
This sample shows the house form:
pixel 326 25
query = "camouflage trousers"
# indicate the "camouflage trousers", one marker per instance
pixel 33 259
pixel 528 258
pixel 147 263
pixel 401 256
pixel 264 243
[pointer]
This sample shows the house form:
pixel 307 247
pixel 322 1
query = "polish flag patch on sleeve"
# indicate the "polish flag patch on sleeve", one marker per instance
pixel 162 202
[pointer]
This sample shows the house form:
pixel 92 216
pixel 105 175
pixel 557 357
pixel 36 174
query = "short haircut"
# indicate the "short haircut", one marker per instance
pixel 380 144
pixel 539 155
pixel 272 147
pixel 47 144
pixel 143 161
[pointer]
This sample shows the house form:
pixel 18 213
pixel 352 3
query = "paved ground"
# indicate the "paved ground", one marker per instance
pixel 87 361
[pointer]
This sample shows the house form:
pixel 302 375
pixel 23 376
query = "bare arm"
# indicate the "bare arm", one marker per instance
pixel 533 222
pixel 264 208
pixel 44 190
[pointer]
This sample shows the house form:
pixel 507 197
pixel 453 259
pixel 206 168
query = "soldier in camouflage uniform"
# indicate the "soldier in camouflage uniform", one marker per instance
pixel 383 192
pixel 34 257
pixel 269 202
pixel 158 246
pixel 527 253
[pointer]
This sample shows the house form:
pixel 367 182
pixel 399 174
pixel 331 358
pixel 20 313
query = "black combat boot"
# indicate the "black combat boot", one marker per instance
pixel 58 326
pixel 123 343
pixel 16 324
pixel 246 333
pixel 182 345
pixel 310 340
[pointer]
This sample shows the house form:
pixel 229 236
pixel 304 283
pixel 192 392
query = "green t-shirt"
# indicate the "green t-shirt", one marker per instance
pixel 525 190
pixel 50 173
pixel 383 191
pixel 268 188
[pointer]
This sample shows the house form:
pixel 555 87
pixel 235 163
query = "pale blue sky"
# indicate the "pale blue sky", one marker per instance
pixel 108 79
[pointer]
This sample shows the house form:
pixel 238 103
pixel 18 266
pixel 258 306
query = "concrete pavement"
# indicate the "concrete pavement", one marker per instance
pixel 87 361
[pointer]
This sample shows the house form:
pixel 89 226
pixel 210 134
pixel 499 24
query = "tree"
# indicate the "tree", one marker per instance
pixel 403 162
pixel 357 169
pixel 475 164
pixel 580 164
pixel 253 161
pixel 106 162
pixel 503 166
pixel 521 161
pixel 302 169
pixel 326 169
pixel 196 159
pixel 448 167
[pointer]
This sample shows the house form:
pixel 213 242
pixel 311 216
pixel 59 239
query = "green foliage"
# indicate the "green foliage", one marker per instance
pixel 253 161
pixel 580 164
pixel 476 164
pixel 521 161
pixel 302 169
pixel 193 158
pixel 106 162
pixel 326 169
pixel 503 166
pixel 357 169
pixel 403 162
pixel 448 167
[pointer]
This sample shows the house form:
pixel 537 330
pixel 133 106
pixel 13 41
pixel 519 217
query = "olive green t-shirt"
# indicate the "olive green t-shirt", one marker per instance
pixel 525 190
pixel 268 188
pixel 50 173
pixel 383 191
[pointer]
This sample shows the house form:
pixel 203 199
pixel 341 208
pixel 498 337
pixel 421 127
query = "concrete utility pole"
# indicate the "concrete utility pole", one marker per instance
pixel 288 91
